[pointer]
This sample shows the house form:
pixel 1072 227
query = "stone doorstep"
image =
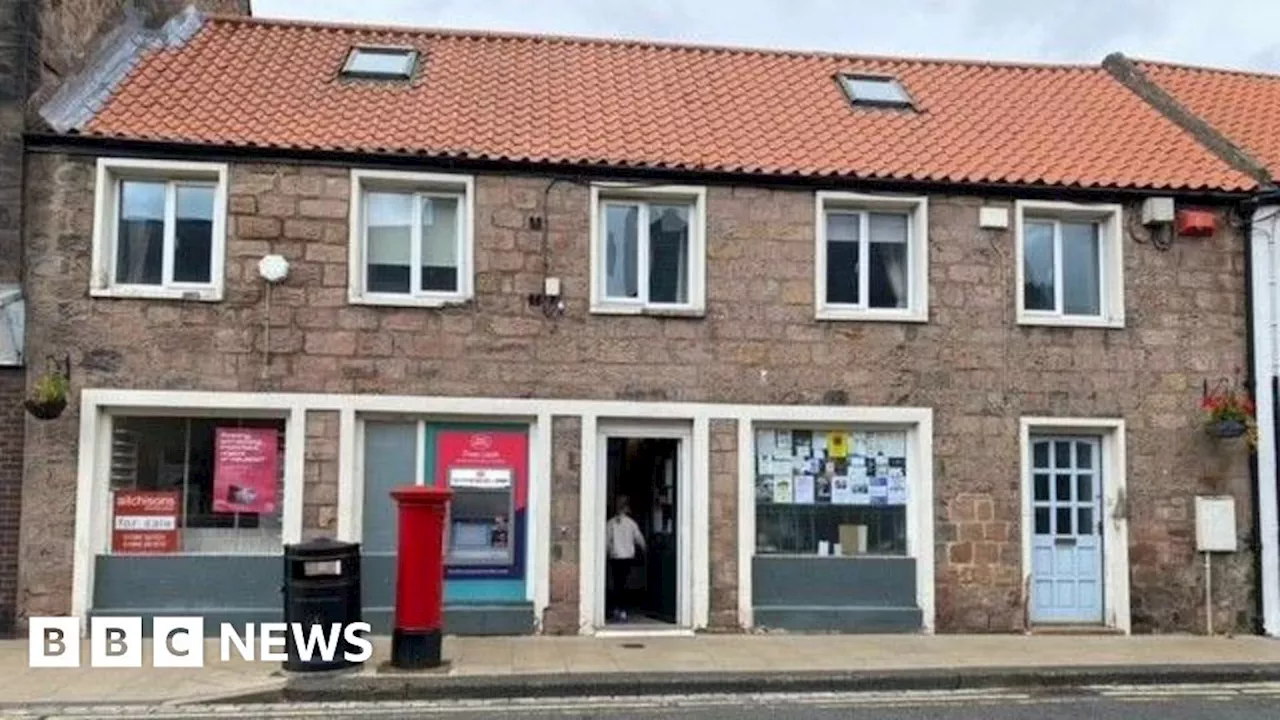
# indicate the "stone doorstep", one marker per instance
pixel 369 686
pixel 1074 630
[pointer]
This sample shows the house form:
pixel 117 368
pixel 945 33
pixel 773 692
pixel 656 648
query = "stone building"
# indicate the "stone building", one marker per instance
pixel 1230 111
pixel 41 43
pixel 868 344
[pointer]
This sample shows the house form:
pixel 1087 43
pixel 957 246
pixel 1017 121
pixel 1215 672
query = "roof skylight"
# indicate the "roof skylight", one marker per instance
pixel 392 63
pixel 875 90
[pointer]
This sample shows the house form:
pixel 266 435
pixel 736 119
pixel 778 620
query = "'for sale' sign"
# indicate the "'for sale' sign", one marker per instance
pixel 145 521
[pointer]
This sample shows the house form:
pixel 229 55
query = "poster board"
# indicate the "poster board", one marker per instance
pixel 842 467
pixel 145 522
pixel 246 470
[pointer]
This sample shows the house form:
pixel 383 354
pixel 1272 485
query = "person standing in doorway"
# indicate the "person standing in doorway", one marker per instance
pixel 624 543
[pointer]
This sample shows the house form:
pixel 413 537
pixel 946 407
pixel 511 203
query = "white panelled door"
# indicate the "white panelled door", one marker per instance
pixel 1066 501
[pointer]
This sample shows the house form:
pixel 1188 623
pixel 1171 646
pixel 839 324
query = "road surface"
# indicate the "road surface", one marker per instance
pixel 1209 702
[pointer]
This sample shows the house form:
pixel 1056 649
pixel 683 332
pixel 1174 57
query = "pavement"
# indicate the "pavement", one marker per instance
pixel 529 667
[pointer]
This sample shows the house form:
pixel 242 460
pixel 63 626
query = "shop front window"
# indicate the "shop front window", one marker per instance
pixel 196 485
pixel 831 492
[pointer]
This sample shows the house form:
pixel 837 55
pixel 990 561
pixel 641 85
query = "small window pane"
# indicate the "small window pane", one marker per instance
pixel 389 237
pixel 1037 266
pixel 843 233
pixel 140 242
pixel 1042 488
pixel 1041 455
pixel 193 236
pixel 440 244
pixel 622 251
pixel 844 227
pixel 1062 455
pixel 1084 488
pixel 1062 486
pixel 1084 455
pixel 391 63
pixel 875 90
pixel 669 254
pixel 1085 522
pixel 888 258
pixel 1042 522
pixel 1081 276
pixel 1063 522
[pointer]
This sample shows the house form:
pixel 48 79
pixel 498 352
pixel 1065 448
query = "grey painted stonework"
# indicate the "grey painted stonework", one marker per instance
pixel 188 582
pixel 228 588
pixel 842 619
pixel 840 594
pixel 240 589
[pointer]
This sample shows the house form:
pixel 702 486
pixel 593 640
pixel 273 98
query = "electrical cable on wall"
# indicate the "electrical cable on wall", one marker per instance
pixel 553 306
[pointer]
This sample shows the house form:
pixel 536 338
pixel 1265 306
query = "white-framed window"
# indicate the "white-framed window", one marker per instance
pixel 1070 264
pixel 648 251
pixel 159 229
pixel 872 257
pixel 412 240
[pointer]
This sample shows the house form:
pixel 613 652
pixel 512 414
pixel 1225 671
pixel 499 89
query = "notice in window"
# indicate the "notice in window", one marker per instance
pixel 806 489
pixel 145 522
pixel 246 470
pixel 838 444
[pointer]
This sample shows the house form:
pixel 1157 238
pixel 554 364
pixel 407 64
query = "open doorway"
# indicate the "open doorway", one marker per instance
pixel 643 476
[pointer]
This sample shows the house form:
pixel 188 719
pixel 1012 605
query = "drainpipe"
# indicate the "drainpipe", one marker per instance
pixel 1247 209
pixel 1256 378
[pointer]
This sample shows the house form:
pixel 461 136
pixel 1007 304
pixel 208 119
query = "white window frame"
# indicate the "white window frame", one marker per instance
pixel 603 194
pixel 421 185
pixel 1110 219
pixel 110 173
pixel 917 210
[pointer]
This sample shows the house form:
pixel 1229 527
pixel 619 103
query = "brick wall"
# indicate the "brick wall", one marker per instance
pixel 758 344
pixel 11 433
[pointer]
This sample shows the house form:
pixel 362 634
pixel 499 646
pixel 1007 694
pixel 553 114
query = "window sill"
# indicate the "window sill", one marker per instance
pixel 861 315
pixel 651 311
pixel 158 293
pixel 1071 322
pixel 418 302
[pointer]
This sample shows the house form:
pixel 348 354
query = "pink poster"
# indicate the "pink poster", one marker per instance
pixel 245 470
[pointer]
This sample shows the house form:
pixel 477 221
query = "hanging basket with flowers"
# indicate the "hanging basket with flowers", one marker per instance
pixel 1228 411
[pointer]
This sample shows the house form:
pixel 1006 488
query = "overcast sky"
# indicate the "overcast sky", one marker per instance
pixel 1228 33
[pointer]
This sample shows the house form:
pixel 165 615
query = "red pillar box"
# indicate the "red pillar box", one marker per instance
pixel 415 640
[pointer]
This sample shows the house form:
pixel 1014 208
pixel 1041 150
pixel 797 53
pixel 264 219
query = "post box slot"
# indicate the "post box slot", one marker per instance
pixel 321 568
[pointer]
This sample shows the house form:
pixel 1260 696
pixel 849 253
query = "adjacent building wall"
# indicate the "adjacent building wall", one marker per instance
pixel 758 344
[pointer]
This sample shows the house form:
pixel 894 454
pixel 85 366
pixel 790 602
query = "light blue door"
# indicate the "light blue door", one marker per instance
pixel 1066 555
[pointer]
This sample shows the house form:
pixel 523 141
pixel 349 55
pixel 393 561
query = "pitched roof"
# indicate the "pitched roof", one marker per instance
pixel 276 84
pixel 1244 106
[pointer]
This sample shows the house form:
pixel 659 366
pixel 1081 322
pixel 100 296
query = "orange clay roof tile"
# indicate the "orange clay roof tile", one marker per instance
pixel 263 83
pixel 1244 106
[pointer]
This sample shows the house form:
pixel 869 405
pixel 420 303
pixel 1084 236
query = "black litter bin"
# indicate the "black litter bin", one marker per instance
pixel 321 587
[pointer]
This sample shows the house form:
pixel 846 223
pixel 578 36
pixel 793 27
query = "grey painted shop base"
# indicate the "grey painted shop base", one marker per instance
pixel 835 594
pixel 241 589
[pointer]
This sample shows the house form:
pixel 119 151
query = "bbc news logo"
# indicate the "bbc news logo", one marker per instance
pixel 179 642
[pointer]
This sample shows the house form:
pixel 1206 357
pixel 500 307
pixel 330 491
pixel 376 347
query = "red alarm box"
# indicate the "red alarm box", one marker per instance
pixel 1195 223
